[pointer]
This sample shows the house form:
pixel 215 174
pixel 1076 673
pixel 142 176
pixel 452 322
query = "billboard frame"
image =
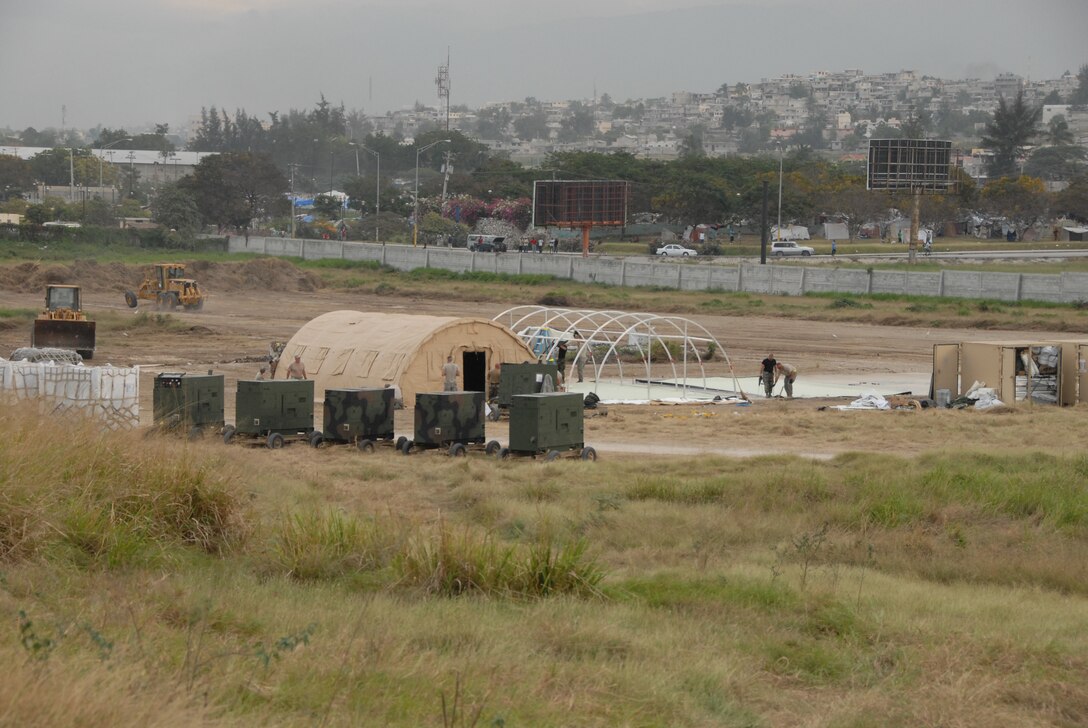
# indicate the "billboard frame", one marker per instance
pixel 910 165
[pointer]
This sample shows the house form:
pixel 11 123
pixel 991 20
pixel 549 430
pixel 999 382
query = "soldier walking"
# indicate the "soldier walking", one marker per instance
pixel 767 374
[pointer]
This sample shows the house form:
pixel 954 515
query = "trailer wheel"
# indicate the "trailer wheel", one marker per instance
pixel 457 450
pixel 405 447
pixel 492 447
pixel 504 453
pixel 196 433
pixel 316 438
pixel 130 299
pixel 400 441
pixel 228 434
pixel 589 453
pixel 366 446
pixel 274 441
pixel 495 414
pixel 551 455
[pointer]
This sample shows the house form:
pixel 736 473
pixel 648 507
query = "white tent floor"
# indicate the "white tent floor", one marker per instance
pixel 812 386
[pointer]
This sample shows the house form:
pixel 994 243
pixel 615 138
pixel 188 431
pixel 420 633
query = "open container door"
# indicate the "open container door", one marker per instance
pixel 946 371
pixel 1082 374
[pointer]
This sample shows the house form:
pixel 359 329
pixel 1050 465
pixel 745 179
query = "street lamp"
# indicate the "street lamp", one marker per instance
pixel 377 181
pixel 103 150
pixel 778 232
pixel 415 214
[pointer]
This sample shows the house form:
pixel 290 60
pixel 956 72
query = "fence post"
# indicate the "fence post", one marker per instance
pixel 740 277
pixel 1019 287
pixel 623 271
pixel 869 283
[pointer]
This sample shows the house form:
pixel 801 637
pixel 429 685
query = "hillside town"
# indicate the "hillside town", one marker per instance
pixel 838 111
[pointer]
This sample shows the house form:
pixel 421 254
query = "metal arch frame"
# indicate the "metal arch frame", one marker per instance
pixel 613 327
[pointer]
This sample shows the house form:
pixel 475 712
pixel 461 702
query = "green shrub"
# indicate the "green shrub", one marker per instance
pixel 321 545
pixel 449 563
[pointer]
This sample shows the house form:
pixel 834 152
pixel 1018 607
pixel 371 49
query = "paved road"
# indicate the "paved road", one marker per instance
pixel 951 256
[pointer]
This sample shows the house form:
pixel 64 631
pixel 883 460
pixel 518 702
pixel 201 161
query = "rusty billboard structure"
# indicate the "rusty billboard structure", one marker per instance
pixel 583 204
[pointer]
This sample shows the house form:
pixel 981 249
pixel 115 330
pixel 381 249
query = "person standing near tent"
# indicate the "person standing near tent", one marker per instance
pixel 833 249
pixel 767 373
pixel 296 370
pixel 493 381
pixel 449 375
pixel 788 373
pixel 561 359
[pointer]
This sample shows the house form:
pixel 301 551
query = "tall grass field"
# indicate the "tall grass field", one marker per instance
pixel 159 582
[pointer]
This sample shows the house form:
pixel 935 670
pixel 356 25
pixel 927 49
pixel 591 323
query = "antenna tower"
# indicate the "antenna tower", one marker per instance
pixel 442 81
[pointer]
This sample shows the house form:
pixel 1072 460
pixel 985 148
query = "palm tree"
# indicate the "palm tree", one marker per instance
pixel 1012 128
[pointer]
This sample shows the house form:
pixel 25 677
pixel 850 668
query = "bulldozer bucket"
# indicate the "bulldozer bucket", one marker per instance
pixel 60 334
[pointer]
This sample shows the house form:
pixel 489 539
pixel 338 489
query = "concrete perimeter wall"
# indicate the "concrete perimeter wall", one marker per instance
pixel 789 280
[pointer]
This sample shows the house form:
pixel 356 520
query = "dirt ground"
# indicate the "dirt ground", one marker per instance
pixel 252 304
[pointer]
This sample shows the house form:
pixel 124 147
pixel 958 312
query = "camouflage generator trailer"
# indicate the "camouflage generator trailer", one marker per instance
pixel 361 417
pixel 451 420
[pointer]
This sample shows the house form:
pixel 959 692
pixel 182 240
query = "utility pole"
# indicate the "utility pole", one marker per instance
pixel 292 166
pixel 763 226
pixel 446 176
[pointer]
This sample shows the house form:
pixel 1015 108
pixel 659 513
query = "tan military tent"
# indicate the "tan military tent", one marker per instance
pixel 350 349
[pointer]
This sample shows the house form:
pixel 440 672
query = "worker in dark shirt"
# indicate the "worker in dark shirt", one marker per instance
pixel 766 374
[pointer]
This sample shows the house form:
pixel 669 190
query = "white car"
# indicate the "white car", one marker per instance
pixel 781 248
pixel 678 251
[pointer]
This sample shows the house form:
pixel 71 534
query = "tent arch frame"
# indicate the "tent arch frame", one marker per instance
pixel 612 330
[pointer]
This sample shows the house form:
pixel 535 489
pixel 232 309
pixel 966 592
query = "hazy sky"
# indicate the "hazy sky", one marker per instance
pixel 135 62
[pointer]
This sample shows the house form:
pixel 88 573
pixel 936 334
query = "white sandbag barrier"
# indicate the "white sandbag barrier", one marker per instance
pixel 108 394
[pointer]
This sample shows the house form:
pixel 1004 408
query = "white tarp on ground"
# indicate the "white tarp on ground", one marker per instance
pixel 109 394
pixel 870 401
pixel 836 231
pixel 790 232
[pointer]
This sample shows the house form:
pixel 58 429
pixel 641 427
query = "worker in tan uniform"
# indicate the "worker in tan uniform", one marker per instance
pixel 297 370
pixel 449 375
pixel 786 372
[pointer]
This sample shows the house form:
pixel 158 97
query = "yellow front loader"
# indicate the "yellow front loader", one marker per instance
pixel 63 325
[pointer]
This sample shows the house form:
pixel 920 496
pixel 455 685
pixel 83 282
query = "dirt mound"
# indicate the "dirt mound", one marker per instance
pixel 259 274
pixel 90 274
pixel 274 274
